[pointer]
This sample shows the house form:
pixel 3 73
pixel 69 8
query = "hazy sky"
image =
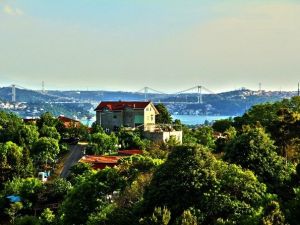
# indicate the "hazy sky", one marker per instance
pixel 169 45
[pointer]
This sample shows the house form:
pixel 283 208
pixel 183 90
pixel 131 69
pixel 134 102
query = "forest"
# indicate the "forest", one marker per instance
pixel 243 170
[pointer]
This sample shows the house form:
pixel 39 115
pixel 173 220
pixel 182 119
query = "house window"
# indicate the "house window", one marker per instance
pixel 152 117
pixel 115 117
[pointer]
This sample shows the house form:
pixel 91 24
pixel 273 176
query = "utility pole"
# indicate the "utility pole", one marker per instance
pixel 200 101
pixel 13 93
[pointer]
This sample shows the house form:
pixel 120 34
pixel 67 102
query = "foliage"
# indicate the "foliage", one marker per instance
pixel 102 143
pixel 27 135
pixel 9 127
pixel 58 188
pixel 13 210
pixel 253 149
pixel 273 215
pixel 47 119
pixel 164 117
pixel 12 159
pixel 50 132
pixel 131 140
pixel 45 150
pixel 192 177
pixel 90 194
pixel 27 188
pixel 27 220
pixel 47 217
pixel 205 136
pixel 160 216
pixel 222 125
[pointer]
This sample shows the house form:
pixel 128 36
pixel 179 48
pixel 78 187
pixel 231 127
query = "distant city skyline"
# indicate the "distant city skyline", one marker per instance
pixel 167 45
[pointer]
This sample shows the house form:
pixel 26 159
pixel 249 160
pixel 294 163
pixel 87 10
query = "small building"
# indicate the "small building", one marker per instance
pixel 68 122
pixel 100 162
pixel 114 115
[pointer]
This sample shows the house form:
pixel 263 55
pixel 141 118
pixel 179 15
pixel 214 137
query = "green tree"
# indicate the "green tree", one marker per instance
pixel 222 125
pixel 90 195
pixel 103 143
pixel 192 177
pixel 47 119
pixel 164 117
pixel 160 216
pixel 27 135
pixel 50 132
pixel 273 215
pixel 13 210
pixel 45 150
pixel 47 217
pixel 9 126
pixel 11 156
pixel 205 136
pixel 253 149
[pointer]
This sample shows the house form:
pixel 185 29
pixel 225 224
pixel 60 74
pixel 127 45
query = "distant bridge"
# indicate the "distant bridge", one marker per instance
pixel 198 90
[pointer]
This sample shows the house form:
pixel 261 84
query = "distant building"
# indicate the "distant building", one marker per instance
pixel 68 122
pixel 114 115
pixel 111 116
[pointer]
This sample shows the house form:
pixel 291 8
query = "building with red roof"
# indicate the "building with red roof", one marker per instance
pixel 100 162
pixel 68 122
pixel 112 115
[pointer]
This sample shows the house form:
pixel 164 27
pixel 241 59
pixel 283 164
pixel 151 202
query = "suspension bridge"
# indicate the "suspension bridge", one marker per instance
pixel 148 93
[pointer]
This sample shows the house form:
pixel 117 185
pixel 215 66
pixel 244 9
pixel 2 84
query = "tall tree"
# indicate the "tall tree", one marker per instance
pixel 164 117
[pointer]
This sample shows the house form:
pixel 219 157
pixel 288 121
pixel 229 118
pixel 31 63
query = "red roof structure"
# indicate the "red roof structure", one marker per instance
pixel 130 152
pixel 68 122
pixel 116 106
pixel 100 162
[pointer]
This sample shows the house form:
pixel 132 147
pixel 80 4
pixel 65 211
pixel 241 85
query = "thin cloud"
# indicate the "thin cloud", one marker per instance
pixel 9 10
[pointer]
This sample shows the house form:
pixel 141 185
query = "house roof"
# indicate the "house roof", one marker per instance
pixel 120 105
pixel 94 159
pixel 130 152
pixel 66 119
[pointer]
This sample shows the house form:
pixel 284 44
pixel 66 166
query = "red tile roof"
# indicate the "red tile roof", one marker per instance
pixel 130 152
pixel 121 105
pixel 100 159
pixel 66 119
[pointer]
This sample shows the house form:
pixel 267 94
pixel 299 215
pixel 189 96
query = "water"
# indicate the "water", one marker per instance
pixel 185 119
pixel 197 119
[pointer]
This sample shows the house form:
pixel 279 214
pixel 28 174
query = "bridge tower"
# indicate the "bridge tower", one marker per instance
pixel 146 91
pixel 13 93
pixel 200 100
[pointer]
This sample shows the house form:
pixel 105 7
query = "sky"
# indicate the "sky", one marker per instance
pixel 168 45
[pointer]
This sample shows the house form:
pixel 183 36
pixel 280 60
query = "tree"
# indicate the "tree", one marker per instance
pixel 205 136
pixel 103 143
pixel 27 188
pixel 47 119
pixel 273 215
pixel 9 126
pixel 45 150
pixel 160 216
pixel 222 125
pixel 47 217
pixel 192 177
pixel 90 195
pixel 253 149
pixel 27 135
pixel 50 132
pixel 130 140
pixel 13 210
pixel 164 116
pixel 10 161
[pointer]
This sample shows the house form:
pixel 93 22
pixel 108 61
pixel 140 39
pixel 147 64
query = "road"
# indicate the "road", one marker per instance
pixel 76 154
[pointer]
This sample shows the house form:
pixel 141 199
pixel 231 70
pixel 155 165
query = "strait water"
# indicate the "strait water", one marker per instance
pixel 185 119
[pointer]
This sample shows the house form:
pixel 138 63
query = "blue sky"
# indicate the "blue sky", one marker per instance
pixel 167 45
